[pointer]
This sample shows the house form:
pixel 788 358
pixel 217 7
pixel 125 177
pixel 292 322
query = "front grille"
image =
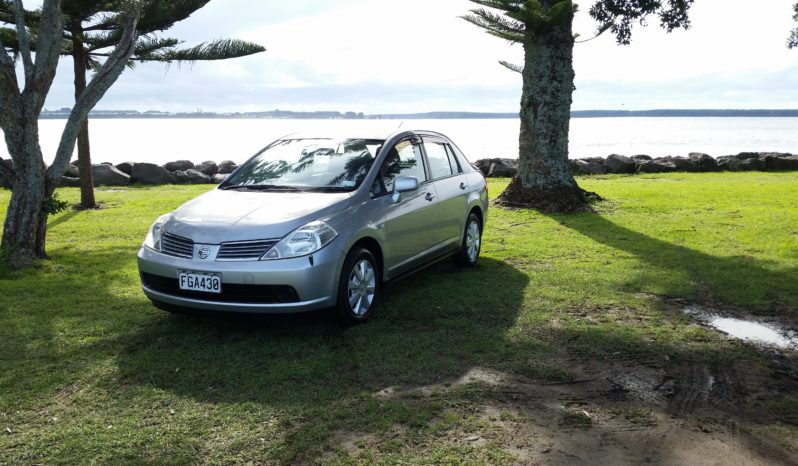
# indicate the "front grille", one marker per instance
pixel 244 250
pixel 177 246
pixel 231 292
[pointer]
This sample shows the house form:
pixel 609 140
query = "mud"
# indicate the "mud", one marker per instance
pixel 628 411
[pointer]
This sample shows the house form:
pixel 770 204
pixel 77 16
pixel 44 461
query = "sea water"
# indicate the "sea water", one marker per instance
pixel 163 140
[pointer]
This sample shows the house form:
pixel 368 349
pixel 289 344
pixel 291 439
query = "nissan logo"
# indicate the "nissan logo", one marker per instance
pixel 204 252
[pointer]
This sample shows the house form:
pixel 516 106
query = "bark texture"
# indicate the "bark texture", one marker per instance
pixel 80 62
pixel 544 179
pixel 25 226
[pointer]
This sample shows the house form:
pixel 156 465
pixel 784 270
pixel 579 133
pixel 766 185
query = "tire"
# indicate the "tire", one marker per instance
pixel 472 242
pixel 359 288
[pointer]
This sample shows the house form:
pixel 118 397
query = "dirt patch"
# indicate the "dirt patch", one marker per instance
pixel 614 412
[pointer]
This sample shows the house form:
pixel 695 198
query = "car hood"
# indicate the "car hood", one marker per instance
pixel 221 216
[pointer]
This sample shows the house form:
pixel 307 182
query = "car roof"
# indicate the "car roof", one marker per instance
pixel 357 134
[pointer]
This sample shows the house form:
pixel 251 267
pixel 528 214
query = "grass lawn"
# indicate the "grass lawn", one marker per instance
pixel 567 341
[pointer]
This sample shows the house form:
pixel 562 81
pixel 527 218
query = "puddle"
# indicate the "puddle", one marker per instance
pixel 765 333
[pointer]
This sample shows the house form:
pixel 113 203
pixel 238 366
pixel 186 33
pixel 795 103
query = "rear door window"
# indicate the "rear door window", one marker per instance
pixel 439 163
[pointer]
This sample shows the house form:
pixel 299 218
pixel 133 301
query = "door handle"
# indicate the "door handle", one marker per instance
pixel 429 196
pixel 462 185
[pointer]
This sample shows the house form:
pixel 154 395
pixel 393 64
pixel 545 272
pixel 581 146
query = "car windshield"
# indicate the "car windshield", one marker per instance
pixel 307 164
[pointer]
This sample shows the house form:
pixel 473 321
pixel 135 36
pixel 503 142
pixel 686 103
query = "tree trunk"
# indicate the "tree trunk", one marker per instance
pixel 24 230
pixel 80 62
pixel 544 180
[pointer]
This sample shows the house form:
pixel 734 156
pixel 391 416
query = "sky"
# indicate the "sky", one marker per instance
pixel 409 56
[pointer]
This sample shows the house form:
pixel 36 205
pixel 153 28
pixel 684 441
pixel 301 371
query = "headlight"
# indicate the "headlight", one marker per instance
pixel 153 239
pixel 304 240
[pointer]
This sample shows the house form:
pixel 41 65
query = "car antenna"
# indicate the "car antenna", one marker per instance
pixel 400 124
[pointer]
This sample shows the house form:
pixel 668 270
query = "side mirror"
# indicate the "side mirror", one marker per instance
pixel 401 185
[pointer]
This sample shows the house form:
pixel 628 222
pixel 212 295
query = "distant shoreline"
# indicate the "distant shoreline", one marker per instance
pixel 334 115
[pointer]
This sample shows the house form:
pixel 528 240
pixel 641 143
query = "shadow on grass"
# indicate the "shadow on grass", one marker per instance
pixel 736 280
pixel 432 327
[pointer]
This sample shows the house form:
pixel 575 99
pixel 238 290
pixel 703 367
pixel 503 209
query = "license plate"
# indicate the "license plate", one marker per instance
pixel 206 282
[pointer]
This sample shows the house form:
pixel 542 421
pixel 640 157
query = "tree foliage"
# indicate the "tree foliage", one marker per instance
pixel 792 41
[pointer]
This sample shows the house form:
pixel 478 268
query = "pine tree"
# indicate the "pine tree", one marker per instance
pixel 91 30
pixel 544 29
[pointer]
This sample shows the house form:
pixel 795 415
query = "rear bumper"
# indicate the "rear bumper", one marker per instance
pixel 303 284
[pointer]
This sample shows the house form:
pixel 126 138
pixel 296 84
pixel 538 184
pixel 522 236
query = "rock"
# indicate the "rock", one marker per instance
pixel 179 165
pixel 126 168
pixel 576 166
pixel 191 176
pixel 619 164
pixel 771 162
pixel 499 169
pixel 704 162
pixel 6 173
pixel 482 165
pixel 684 164
pixel 208 167
pixel 641 157
pixel 599 160
pixel 218 178
pixel 728 163
pixel 107 175
pixel 747 155
pixel 149 173
pixel 72 171
pixel 656 166
pixel 750 164
pixel 228 166
pixel 69 182
pixel 594 168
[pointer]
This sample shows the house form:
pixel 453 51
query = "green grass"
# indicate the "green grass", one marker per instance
pixel 91 372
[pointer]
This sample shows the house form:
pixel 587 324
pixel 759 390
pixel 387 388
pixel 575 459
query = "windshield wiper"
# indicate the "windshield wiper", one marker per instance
pixel 330 189
pixel 261 187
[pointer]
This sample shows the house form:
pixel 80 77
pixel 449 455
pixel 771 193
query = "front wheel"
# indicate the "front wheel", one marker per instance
pixel 472 242
pixel 359 287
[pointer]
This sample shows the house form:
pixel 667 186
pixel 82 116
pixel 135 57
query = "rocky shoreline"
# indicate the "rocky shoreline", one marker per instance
pixel 209 172
pixel 621 164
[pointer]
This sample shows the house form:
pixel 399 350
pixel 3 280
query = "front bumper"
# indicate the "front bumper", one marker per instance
pixel 312 281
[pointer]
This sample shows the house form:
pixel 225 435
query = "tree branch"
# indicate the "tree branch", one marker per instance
pixel 23 40
pixel 99 85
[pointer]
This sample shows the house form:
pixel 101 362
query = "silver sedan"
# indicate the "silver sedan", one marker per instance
pixel 318 222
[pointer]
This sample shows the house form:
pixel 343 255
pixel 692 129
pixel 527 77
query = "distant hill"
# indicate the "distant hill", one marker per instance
pixel 334 115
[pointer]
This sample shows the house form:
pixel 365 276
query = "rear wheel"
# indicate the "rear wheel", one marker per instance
pixel 359 287
pixel 472 242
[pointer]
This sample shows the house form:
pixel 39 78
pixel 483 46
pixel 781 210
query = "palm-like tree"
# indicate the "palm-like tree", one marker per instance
pixel 91 31
pixel 544 29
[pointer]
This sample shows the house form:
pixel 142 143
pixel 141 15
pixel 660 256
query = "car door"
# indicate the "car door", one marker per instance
pixel 407 226
pixel 451 185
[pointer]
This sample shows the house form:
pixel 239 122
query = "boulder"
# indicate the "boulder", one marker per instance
pixel 594 160
pixel 482 165
pixel 500 169
pixel 641 157
pixel 149 173
pixel 218 178
pixel 750 164
pixel 594 168
pixel 108 175
pixel 228 166
pixel 780 163
pixel 683 164
pixel 180 165
pixel 6 172
pixel 72 171
pixel 69 182
pixel 656 166
pixel 619 164
pixel 576 166
pixel 747 155
pixel 728 163
pixel 126 168
pixel 191 176
pixel 208 167
pixel 704 162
